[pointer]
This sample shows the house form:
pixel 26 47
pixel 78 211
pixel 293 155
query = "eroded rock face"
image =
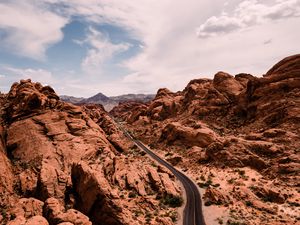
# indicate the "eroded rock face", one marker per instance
pixel 231 123
pixel 202 136
pixel 7 177
pixel 240 120
pixel 56 214
pixel 214 196
pixel 67 164
pixel 27 97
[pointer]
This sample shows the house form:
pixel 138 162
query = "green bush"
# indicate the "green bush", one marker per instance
pixel 172 201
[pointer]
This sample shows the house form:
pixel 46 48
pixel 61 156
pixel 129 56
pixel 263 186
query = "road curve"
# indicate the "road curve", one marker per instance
pixel 192 214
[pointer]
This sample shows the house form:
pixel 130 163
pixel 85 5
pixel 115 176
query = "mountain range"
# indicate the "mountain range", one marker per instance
pixel 108 102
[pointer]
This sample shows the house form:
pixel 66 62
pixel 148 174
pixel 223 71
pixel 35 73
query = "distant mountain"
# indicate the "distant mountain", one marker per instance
pixel 108 102
pixel 71 99
pixel 96 99
pixel 133 97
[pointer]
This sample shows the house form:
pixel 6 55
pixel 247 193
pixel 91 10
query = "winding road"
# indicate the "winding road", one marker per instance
pixel 192 214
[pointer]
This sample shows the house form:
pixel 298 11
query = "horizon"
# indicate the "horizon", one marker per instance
pixel 107 95
pixel 116 48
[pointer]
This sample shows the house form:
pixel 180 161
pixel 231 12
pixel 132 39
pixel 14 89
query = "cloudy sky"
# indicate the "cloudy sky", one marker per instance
pixel 82 47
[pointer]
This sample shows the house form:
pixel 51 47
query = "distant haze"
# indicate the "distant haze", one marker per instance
pixel 108 102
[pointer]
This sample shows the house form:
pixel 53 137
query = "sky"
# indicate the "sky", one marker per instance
pixel 117 47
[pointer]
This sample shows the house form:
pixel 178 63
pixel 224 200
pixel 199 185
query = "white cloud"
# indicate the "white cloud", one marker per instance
pixel 101 50
pixel 29 28
pixel 36 75
pixel 249 13
pixel 171 52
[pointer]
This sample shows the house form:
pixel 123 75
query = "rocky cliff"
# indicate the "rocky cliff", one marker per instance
pixel 238 136
pixel 67 164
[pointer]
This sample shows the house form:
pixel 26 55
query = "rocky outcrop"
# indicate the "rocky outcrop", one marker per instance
pixel 114 135
pixel 240 120
pixel 214 196
pixel 129 110
pixel 188 136
pixel 93 193
pixel 7 177
pixel 28 211
pixel 56 214
pixel 26 97
pixel 226 83
pixel 232 124
pixel 64 164
pixel 288 65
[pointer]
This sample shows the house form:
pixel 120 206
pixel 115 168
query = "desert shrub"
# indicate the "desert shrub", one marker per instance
pixel 172 201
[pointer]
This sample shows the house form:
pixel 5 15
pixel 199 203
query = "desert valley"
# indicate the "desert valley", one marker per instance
pixel 237 137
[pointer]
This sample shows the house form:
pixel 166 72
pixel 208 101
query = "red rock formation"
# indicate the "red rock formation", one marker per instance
pixel 230 122
pixel 67 164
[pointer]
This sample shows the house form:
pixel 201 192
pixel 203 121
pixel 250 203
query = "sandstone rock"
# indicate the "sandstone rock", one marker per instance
pixel 56 214
pixel 28 207
pixel 168 184
pixel 52 208
pixel 50 141
pixel 250 122
pixel 17 221
pixel 24 140
pixel 37 220
pixel 214 196
pixel 264 148
pixel 132 178
pixel 154 178
pixel 7 177
pixel 270 195
pixel 120 142
pixel 130 111
pixel 73 216
pixel 175 160
pixel 28 182
pixel 291 63
pixel 293 167
pixel 26 98
pixel 164 105
pixel 52 182
pixel 271 133
pixel 245 194
pixel 226 83
pixel 188 136
pixel 92 194
pixel 164 221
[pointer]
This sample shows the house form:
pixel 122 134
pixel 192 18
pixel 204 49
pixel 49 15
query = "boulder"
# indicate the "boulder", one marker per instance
pixel 214 196
pixel 175 132
pixel 227 84
pixel 93 195
pixel 269 194
pixel 28 207
pixel 56 214
pixel 37 220
pixel 52 182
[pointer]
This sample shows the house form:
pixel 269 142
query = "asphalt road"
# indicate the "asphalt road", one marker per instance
pixel 192 214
